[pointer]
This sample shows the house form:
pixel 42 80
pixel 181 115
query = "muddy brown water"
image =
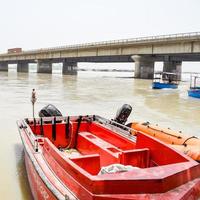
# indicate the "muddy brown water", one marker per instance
pixel 87 93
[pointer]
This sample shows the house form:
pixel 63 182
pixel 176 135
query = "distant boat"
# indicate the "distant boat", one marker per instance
pixel 165 80
pixel 194 90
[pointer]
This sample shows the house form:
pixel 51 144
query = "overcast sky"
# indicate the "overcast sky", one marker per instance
pixel 34 24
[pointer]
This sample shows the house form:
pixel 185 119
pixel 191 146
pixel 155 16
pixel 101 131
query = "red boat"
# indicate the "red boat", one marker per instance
pixel 89 158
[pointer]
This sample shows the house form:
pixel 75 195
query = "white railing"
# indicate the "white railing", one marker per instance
pixel 121 41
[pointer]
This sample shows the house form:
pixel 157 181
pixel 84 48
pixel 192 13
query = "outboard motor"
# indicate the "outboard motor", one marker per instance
pixel 49 111
pixel 123 114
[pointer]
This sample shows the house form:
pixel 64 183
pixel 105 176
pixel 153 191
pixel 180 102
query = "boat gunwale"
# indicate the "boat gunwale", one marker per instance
pixel 37 167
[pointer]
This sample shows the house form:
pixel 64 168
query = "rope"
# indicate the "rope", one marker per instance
pixel 41 126
pixel 184 143
pixel 54 129
pixel 73 135
pixel 67 128
pixel 34 122
pixel 77 130
pixel 179 137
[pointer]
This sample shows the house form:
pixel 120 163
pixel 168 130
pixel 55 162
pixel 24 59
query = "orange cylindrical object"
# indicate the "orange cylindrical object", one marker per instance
pixel 187 144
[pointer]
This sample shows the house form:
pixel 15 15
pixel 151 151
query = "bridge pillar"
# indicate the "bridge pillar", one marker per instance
pixel 69 68
pixel 173 67
pixel 4 66
pixel 144 67
pixel 22 66
pixel 44 66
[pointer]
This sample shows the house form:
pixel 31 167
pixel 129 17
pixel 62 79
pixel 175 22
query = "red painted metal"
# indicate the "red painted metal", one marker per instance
pixel 163 173
pixel 38 187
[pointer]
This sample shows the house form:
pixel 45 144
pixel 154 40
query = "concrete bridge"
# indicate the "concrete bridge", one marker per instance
pixel 144 51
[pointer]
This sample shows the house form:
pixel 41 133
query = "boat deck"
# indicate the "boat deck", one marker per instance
pixel 159 168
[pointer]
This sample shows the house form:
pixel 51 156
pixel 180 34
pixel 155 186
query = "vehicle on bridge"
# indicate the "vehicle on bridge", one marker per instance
pixel 15 50
pixel 163 80
pixel 194 90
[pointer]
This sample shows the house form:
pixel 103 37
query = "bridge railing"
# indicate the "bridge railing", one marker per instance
pixel 121 41
pixel 110 42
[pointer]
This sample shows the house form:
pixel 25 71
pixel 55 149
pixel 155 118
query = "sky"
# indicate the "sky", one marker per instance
pixel 34 24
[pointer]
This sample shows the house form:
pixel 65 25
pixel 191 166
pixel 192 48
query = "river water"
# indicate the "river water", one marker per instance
pixel 99 93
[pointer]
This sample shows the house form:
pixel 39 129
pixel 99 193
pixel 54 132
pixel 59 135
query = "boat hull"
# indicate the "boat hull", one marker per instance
pixel 38 187
pixel 54 174
pixel 158 85
pixel 194 93
pixel 40 190
pixel 43 182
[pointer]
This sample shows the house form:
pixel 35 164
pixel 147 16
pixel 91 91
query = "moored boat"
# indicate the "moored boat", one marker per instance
pixel 164 80
pixel 87 157
pixel 194 90
pixel 194 93
pixel 159 85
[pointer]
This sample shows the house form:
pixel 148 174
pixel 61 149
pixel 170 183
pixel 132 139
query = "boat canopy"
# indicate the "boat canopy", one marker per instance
pixel 167 77
pixel 195 81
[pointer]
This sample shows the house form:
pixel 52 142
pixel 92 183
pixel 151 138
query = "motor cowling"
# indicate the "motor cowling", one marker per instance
pixel 123 114
pixel 49 111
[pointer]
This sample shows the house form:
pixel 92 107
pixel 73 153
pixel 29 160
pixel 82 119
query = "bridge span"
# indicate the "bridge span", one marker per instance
pixel 172 50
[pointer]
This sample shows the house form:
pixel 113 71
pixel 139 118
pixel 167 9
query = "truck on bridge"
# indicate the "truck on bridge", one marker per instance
pixel 15 50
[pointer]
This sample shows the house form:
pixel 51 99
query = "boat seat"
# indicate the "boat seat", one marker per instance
pixel 135 157
pixel 91 144
pixel 90 163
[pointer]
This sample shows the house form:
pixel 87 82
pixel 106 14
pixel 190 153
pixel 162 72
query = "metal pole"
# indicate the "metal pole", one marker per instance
pixel 33 100
pixel 190 81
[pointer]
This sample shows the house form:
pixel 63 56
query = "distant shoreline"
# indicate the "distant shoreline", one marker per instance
pixel 123 70
pixel 107 70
